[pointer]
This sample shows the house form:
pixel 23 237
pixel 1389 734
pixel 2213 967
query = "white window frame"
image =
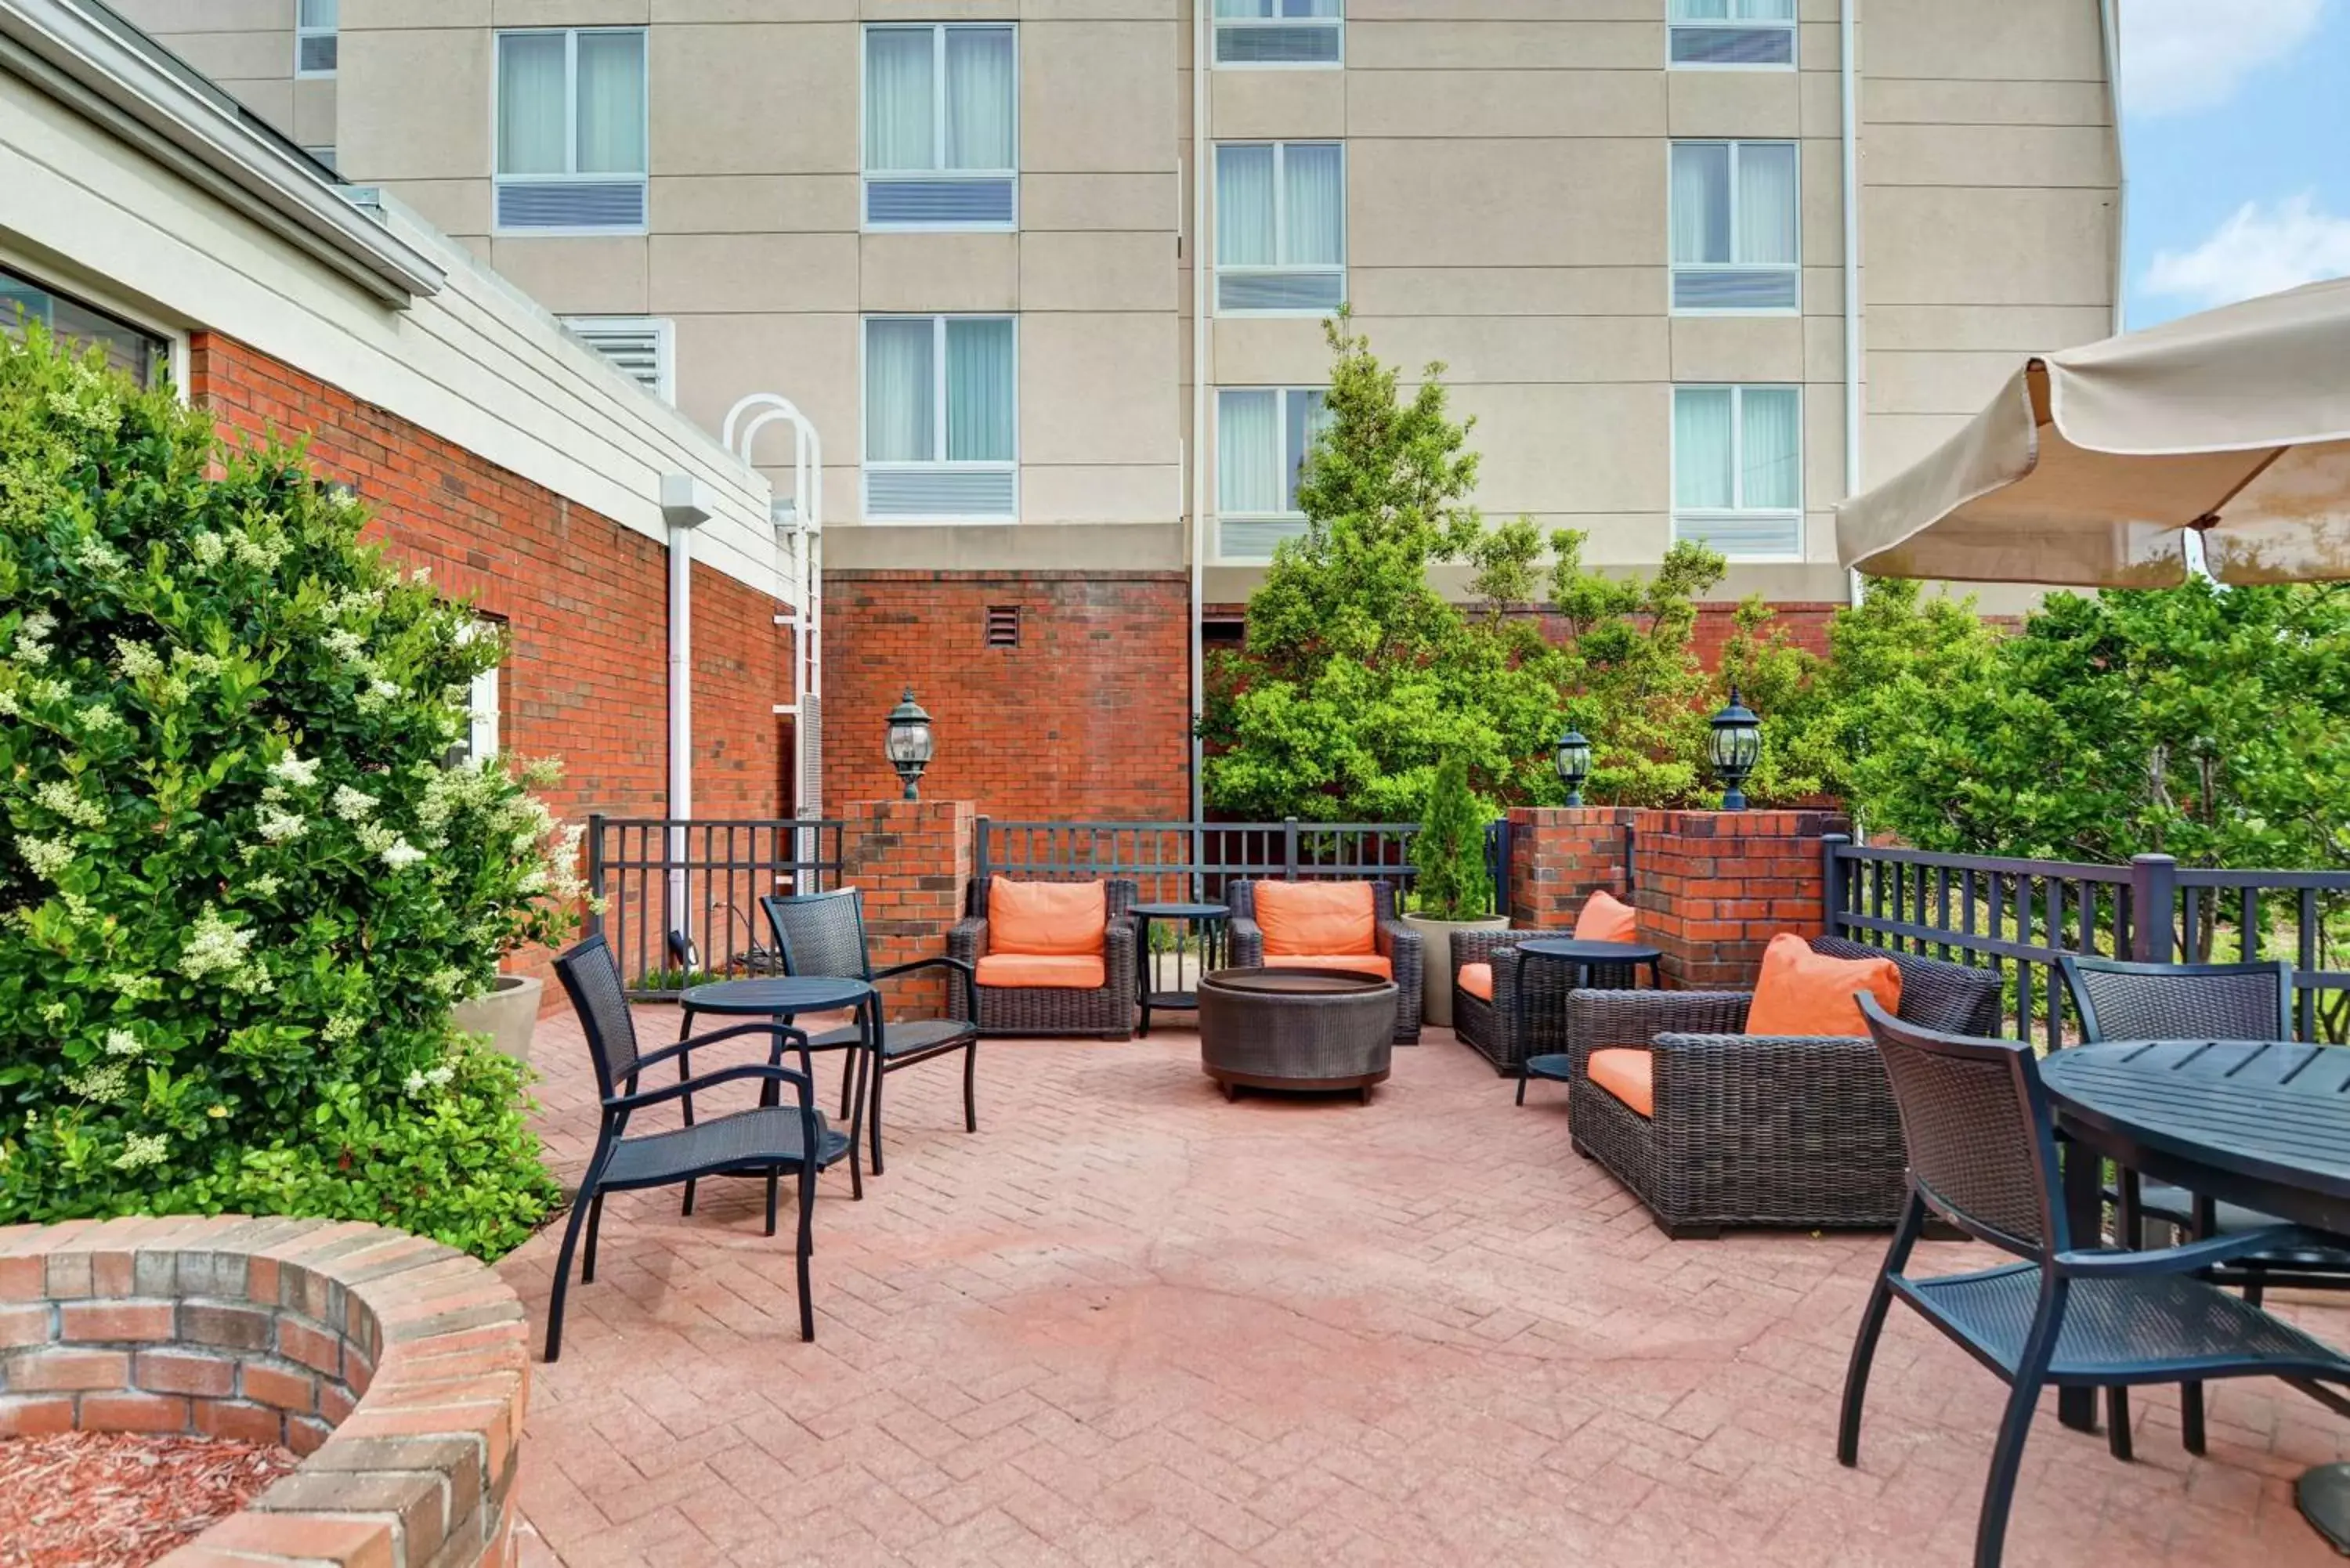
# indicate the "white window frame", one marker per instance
pixel 664 331
pixel 1280 226
pixel 482 705
pixel 1731 23
pixel 1737 144
pixel 1281 422
pixel 304 32
pixel 98 296
pixel 868 177
pixel 1243 24
pixel 1735 513
pixel 940 461
pixel 570 36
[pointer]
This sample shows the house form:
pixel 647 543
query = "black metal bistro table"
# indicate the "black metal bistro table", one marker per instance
pixel 2265 1124
pixel 1604 966
pixel 1206 923
pixel 783 998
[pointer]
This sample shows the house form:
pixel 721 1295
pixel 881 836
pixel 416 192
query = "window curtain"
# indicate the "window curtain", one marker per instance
pixel 1772 452
pixel 530 104
pixel 1766 202
pixel 611 103
pixel 1700 202
pixel 1308 414
pixel 1244 234
pixel 982 100
pixel 982 391
pixel 900 91
pixel 1702 448
pixel 1313 188
pixel 898 423
pixel 318 14
pixel 1248 452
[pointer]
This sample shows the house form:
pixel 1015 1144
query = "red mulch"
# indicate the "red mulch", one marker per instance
pixel 120 1500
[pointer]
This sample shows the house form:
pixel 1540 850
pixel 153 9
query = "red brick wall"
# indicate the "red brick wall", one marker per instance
pixel 1559 855
pixel 912 861
pixel 1713 887
pixel 1088 717
pixel 742 668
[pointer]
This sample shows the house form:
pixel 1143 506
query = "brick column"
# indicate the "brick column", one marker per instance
pixel 913 860
pixel 1558 855
pixel 1715 886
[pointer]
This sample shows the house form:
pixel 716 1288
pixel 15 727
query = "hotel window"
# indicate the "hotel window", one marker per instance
pixel 142 355
pixel 1738 471
pixel 571 131
pixel 640 348
pixel 941 127
pixel 1738 33
pixel 1281 228
pixel 1280 32
pixel 1735 218
pixel 315 44
pixel 483 700
pixel 1263 434
pixel 941 417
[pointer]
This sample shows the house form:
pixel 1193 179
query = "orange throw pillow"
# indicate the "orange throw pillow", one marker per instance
pixel 1060 920
pixel 1626 1072
pixel 1607 919
pixel 1477 979
pixel 1804 992
pixel 1319 918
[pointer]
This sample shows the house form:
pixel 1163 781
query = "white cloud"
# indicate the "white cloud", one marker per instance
pixel 2181 56
pixel 2259 250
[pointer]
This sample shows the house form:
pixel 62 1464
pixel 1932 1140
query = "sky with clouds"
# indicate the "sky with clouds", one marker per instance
pixel 2236 122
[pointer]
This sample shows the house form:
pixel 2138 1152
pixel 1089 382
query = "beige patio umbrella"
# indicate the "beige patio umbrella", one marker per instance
pixel 2093 464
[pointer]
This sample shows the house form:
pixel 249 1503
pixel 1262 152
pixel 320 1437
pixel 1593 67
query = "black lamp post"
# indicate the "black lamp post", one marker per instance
pixel 909 742
pixel 1734 747
pixel 1573 763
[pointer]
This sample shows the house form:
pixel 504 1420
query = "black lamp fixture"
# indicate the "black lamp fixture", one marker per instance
pixel 1734 747
pixel 1573 763
pixel 909 742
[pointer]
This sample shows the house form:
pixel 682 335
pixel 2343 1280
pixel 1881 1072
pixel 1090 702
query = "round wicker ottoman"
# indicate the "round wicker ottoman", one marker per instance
pixel 1296 1028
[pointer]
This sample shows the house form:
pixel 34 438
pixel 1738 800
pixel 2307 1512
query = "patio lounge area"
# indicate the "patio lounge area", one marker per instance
pixel 1129 1323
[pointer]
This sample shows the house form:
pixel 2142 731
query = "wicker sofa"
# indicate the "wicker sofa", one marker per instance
pixel 1106 1011
pixel 1748 1130
pixel 1391 938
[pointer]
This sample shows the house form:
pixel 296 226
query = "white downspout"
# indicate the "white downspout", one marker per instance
pixel 1849 75
pixel 1201 44
pixel 686 505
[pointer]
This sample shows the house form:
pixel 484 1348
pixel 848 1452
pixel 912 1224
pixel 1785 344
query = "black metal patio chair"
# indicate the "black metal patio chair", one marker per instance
pixel 766 1140
pixel 824 933
pixel 1983 1155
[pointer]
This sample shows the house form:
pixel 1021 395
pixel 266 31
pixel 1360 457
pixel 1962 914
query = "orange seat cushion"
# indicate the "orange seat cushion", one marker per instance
pixel 1626 1072
pixel 1058 919
pixel 1607 919
pixel 1352 964
pixel 1316 917
pixel 1032 971
pixel 1477 979
pixel 1804 992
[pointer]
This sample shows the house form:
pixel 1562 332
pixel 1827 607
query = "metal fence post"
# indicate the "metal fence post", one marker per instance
pixel 594 922
pixel 978 850
pixel 1289 850
pixel 1832 893
pixel 2153 895
pixel 1497 862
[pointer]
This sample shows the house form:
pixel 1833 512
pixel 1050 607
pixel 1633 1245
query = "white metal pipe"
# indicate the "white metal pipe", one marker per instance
pixel 1201 342
pixel 1849 72
pixel 681 715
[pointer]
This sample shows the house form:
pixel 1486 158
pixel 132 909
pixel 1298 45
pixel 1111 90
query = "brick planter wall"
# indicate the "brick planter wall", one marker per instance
pixel 913 860
pixel 1559 855
pixel 1714 887
pixel 396 1365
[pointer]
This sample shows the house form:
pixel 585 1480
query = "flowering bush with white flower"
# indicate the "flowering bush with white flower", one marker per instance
pixel 242 879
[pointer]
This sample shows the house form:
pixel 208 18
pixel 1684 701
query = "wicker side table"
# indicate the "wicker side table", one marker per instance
pixel 1296 1028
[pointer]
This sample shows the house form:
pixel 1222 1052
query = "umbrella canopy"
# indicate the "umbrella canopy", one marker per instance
pixel 2092 465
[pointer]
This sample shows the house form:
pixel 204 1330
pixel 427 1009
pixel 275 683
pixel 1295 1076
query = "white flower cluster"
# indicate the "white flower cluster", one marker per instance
pixel 279 825
pixel 134 987
pixel 135 660
pixel 104 1085
pixel 342 1026
pixel 357 601
pixel 401 853
pixel 48 856
pixel 92 554
pixel 33 638
pixel 346 645
pixel 265 885
pixel 419 1084
pixel 261 554
pixel 98 718
pixel 60 796
pixel 122 1042
pixel 142 1149
pixel 379 694
pixel 296 772
pixel 352 805
pixel 216 947
pixel 209 549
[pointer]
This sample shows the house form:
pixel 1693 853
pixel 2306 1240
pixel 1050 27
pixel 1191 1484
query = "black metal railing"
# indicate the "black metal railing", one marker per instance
pixel 677 900
pixel 2018 916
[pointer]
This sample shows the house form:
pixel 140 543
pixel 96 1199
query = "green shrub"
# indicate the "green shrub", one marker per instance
pixel 241 882
pixel 1449 849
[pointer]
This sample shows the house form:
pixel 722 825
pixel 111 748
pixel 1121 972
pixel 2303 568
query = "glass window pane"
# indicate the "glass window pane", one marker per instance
pixel 611 103
pixel 1702 448
pixel 1244 7
pixel 1244 234
pixel 1313 186
pixel 1700 10
pixel 530 103
pixel 139 355
pixel 1765 10
pixel 319 15
pixel 982 391
pixel 1771 450
pixel 1309 8
pixel 1766 202
pixel 1700 202
pixel 1248 452
pixel 901 89
pixel 1308 414
pixel 982 99
pixel 899 425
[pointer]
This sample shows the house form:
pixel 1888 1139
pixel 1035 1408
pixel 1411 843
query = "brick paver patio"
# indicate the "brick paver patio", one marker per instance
pixel 1128 1323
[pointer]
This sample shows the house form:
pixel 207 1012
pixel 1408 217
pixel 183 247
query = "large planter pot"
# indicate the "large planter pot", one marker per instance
pixel 1436 961
pixel 507 1014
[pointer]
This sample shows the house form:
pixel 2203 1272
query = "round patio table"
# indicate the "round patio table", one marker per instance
pixel 785 997
pixel 2261 1123
pixel 1205 922
pixel 1607 965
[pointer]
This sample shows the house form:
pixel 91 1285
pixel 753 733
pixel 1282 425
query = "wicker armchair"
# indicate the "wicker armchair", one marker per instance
pixel 1106 1011
pixel 1527 1016
pixel 1751 1130
pixel 1394 941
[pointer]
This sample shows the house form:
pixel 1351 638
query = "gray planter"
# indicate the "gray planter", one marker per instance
pixel 1436 961
pixel 507 1014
